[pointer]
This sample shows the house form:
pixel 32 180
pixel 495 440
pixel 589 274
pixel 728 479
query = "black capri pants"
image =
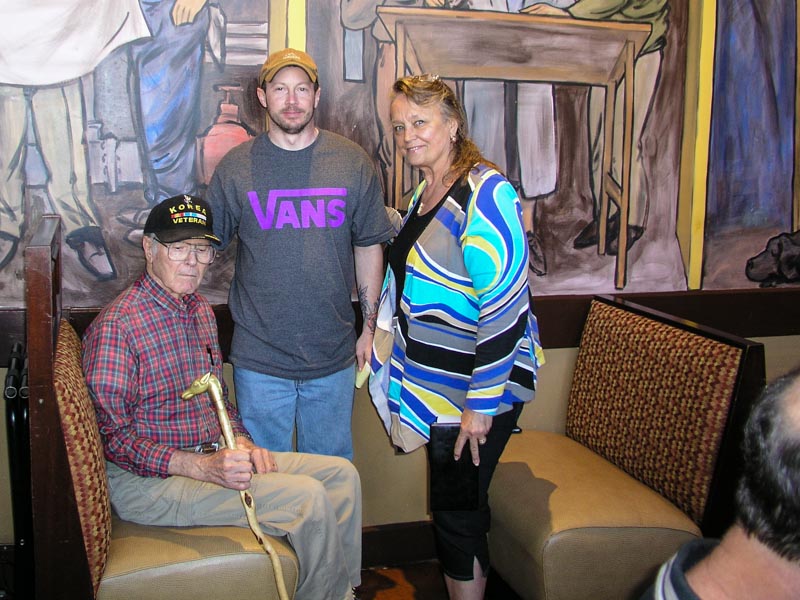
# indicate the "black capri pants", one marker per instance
pixel 461 534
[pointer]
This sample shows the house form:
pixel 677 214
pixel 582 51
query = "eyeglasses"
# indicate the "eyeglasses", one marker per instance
pixel 179 252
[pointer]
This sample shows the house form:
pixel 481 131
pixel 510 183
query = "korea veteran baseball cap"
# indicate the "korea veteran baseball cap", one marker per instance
pixel 288 57
pixel 181 218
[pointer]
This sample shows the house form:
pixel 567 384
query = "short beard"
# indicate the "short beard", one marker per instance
pixel 289 129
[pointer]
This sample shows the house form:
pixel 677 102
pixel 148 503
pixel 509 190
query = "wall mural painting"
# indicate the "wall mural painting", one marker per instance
pixel 752 159
pixel 107 107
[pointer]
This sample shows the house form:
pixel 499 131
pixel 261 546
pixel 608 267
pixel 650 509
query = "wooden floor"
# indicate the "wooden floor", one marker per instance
pixel 419 581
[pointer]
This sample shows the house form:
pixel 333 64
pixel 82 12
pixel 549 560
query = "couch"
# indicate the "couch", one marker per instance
pixel 648 459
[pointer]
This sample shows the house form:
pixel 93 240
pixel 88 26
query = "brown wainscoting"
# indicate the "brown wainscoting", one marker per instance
pixel 399 563
pixel 6 571
pixel 746 313
pixel 397 544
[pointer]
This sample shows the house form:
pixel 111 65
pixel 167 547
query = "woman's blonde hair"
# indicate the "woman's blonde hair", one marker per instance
pixel 429 90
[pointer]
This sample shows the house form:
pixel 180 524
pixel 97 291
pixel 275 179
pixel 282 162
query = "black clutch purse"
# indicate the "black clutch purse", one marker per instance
pixel 453 483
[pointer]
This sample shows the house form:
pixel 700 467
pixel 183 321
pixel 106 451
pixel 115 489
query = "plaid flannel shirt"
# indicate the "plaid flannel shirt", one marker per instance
pixel 140 353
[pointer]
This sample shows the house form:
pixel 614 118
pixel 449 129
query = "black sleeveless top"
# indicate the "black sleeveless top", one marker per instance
pixel 406 238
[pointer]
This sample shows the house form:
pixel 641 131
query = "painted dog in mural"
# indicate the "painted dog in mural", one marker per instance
pixel 778 263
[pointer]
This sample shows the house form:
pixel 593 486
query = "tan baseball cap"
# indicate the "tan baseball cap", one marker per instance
pixel 288 57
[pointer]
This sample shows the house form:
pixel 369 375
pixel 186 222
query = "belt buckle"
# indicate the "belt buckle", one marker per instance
pixel 207 448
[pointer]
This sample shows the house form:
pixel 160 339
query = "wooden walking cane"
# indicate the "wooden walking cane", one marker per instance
pixel 209 383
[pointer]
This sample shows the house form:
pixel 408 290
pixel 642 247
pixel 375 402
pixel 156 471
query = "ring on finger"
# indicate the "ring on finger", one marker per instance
pixel 482 441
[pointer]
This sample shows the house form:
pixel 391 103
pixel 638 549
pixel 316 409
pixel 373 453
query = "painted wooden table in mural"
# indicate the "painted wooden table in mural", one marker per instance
pixel 458 44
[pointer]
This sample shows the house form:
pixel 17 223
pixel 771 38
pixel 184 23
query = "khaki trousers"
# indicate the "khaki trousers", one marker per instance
pixel 314 500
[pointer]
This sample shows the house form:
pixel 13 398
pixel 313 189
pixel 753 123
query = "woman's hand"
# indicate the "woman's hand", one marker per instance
pixel 475 427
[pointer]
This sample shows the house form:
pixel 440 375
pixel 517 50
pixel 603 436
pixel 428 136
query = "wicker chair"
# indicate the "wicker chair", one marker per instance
pixel 648 460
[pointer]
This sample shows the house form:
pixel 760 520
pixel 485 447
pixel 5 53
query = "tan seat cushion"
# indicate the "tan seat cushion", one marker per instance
pixel 188 563
pixel 564 519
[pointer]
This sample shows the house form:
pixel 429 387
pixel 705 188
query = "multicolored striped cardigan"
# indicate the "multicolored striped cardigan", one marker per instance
pixel 471 339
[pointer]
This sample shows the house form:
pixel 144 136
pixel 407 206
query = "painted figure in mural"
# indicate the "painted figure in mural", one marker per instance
pixel 308 210
pixel 646 74
pixel 455 334
pixel 361 14
pixel 165 73
pixel 484 102
pixel 45 49
pixel 165 464
pixel 535 136
pixel 759 556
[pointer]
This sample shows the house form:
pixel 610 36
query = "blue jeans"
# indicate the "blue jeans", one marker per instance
pixel 321 409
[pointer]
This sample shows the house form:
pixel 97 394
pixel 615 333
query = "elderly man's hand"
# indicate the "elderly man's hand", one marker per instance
pixel 262 459
pixel 228 468
pixel 232 469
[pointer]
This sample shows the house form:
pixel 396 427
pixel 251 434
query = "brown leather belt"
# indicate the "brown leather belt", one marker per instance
pixel 207 448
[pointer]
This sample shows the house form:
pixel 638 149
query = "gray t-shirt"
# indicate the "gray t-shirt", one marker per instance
pixel 298 215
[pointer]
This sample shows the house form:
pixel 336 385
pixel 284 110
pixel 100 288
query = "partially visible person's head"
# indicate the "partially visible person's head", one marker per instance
pixel 768 498
pixel 429 92
pixel 177 243
pixel 289 89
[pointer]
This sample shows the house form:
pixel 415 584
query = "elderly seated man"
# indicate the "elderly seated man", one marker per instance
pixel 759 556
pixel 165 463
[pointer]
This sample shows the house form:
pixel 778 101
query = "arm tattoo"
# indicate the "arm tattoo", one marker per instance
pixel 368 311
